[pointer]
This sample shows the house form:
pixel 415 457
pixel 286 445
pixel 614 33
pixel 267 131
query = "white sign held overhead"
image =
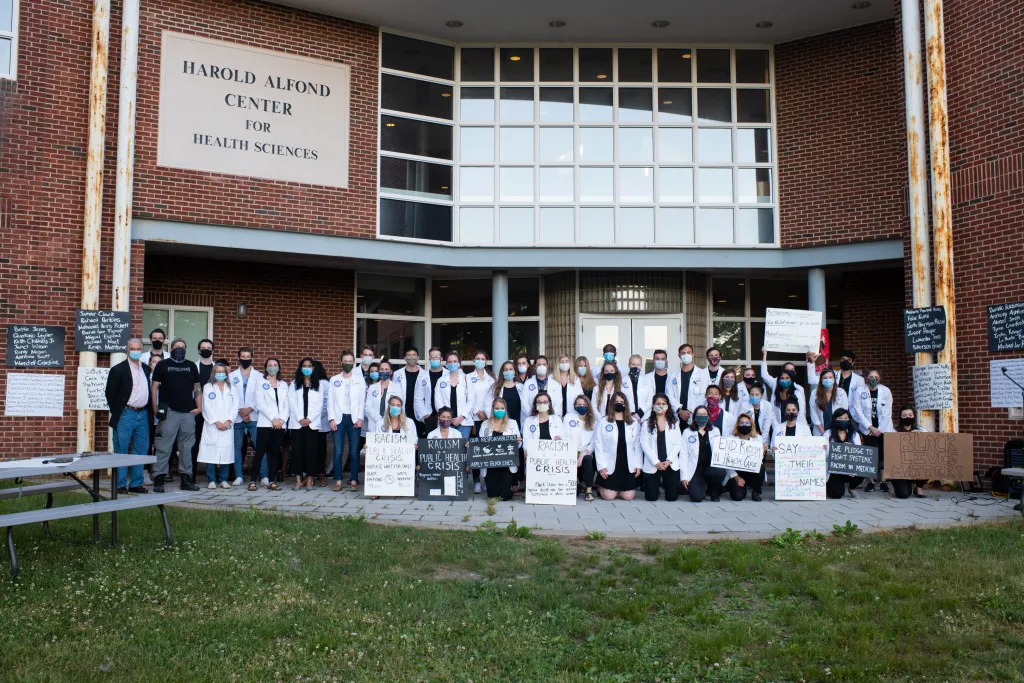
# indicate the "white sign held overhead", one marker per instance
pixel 791 330
pixel 933 387
pixel 33 395
pixel 1004 393
pixel 92 388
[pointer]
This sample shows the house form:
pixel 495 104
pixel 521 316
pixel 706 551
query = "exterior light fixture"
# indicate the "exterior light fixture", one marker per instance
pixel 764 24
pixel 660 23
pixel 515 58
pixel 389 125
pixel 242 310
pixel 455 23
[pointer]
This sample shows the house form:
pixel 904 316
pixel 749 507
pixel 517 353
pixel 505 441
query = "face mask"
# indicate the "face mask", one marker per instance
pixel 499 413
pixel 842 425
pixel 394 411
pixel 581 410
pixel 366 360
pixel 453 367
pixel 542 371
pixel 634 372
pixel 620 407
pixel 609 376
pixel 828 383
pixel 411 361
pixel 755 401
pixel 444 424
pixel 523 368
pixel 581 370
pixel 178 355
pixel 205 353
pixel 906 421
pixel 714 361
pixel 785 383
pixel 434 364
pixel 791 416
pixel 479 364
pixel 374 376
pixel 846 364
pixel 157 344
pixel 728 383
pixel 749 381
pixel 135 355
pixel 306 372
pixel 686 358
pixel 873 381
pixel 744 429
pixel 660 408
pixel 609 356
pixel 659 365
pixel 701 420
pixel 272 370
pixel 384 375
pixel 563 367
pixel 543 407
pixel 509 375
pixel 221 376
pixel 244 363
pixel 347 367
pixel 712 401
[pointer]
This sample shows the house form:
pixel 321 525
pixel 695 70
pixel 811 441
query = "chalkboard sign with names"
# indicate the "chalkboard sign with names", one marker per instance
pixel 924 329
pixel 35 346
pixel 1006 327
pixel 102 331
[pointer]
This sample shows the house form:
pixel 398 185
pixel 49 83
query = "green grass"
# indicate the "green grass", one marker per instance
pixel 260 597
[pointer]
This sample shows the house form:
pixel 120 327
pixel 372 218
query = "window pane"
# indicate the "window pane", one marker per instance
pixel 729 296
pixel 555 144
pixel 390 295
pixel 556 185
pixel 755 185
pixel 753 106
pixel 417 56
pixel 751 66
pixel 636 185
pixel 675 226
pixel 476 184
pixel 476 104
pixel 637 226
pixel 636 104
pixel 524 337
pixel 416 178
pixel 464 338
pixel 713 66
pixel 421 138
pixel 516 64
pixel 7 15
pixel 674 66
pixel 5 56
pixel 675 185
pixel 596 145
pixel 557 226
pixel 755 226
pixel 675 105
pixel 776 294
pixel 476 226
pixel 675 145
pixel 516 104
pixel 757 341
pixel 714 145
pixel 516 185
pixel 595 104
pixel 389 337
pixel 714 105
pixel 153 318
pixel 476 144
pixel 516 145
pixel 477 64
pixel 754 145
pixel 730 337
pixel 413 219
pixel 556 104
pixel 516 226
pixel 636 145
pixel 523 296
pixel 460 299
pixel 635 65
pixel 716 186
pixel 596 185
pixel 597 226
pixel 595 64
pixel 714 226
pixel 192 326
pixel 556 64
pixel 416 97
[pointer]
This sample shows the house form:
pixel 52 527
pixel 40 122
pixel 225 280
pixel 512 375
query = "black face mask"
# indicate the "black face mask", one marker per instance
pixel 245 363
pixel 846 364
pixel 749 381
pixel 907 421
pixel 157 344
pixel 634 372
pixel 842 425
pixel 609 376
pixel 791 416
pixel 744 429
pixel 205 353
pixel 620 407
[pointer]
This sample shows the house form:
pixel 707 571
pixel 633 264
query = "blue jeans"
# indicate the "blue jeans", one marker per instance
pixel 240 429
pixel 465 430
pixel 216 473
pixel 346 432
pixel 132 428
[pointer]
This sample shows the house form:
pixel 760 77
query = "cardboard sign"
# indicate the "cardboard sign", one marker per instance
pixel 442 474
pixel 550 474
pixel 1005 394
pixel 92 388
pixel 35 346
pixel 33 395
pixel 733 453
pixel 390 465
pixel 823 352
pixel 102 331
pixel 927 455
pixel 933 386
pixel 924 329
pixel 801 467
pixel 852 459
pixel 791 330
pixel 494 451
pixel 1006 327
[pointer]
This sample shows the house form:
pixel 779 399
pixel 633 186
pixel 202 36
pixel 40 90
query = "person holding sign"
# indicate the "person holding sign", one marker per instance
pixel 272 401
pixel 872 411
pixel 827 398
pixel 661 443
pixel 499 479
pixel 446 428
pixel 902 487
pixel 305 408
pixel 842 431
pixel 220 406
pixel 773 384
pixel 763 414
pixel 618 456
pixel 127 394
pixel 696 472
pixel 789 392
pixel 791 424
pixel 397 422
pixel 453 392
pixel 746 430
pixel 542 425
pixel 578 427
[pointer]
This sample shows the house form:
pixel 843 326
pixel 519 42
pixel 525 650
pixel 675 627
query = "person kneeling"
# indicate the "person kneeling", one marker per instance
pixel 617 454
pixel 842 432
pixel 661 442
pixel 697 474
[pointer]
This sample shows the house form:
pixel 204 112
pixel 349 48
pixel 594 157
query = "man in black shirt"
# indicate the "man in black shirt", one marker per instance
pixel 176 386
pixel 686 368
pixel 435 373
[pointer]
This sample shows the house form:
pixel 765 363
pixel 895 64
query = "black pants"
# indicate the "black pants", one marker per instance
pixel 421 429
pixel 709 482
pixel 305 449
pixel 268 443
pixel 199 437
pixel 879 443
pixel 754 481
pixel 499 483
pixel 589 468
pixel 669 478
pixel 429 424
pixel 904 488
pixel 836 485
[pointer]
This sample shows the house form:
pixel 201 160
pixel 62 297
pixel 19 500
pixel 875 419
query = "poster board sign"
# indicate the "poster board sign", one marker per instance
pixel 102 331
pixel 550 473
pixel 390 465
pixel 92 388
pixel 933 386
pixel 442 474
pixel 34 395
pixel 852 459
pixel 801 467
pixel 1006 327
pixel 1004 393
pixel 35 346
pixel 791 330
pixel 742 455
pixel 494 451
pixel 924 329
pixel 927 455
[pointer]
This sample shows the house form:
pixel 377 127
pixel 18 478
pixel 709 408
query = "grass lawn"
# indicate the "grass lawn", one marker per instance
pixel 259 597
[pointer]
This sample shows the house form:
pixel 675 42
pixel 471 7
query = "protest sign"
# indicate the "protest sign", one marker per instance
pixel 1005 394
pixel 791 330
pixel 732 453
pixel 390 465
pixel 852 459
pixel 102 331
pixel 92 388
pixel 33 395
pixel 442 474
pixel 550 474
pixel 933 387
pixel 924 329
pixel 1006 327
pixel 927 455
pixel 494 451
pixel 35 346
pixel 801 467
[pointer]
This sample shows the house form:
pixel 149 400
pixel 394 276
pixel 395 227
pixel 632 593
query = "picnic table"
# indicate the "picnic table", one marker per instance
pixel 81 462
pixel 1016 472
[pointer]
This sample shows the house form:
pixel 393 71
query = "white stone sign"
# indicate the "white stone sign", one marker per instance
pixel 933 387
pixel 1004 393
pixel 550 473
pixel 732 453
pixel 792 330
pixel 240 110
pixel 34 395
pixel 92 388
pixel 390 465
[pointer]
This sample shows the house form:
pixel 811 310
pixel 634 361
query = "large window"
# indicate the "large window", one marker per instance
pixel 191 323
pixel 8 38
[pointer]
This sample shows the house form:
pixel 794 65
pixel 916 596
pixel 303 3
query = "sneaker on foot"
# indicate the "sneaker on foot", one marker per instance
pixel 186 483
pixel 212 485
pixel 883 487
pixel 265 481
pixel 225 485
pixel 146 479
pixel 137 489
pixel 476 488
pixel 869 487
pixel 158 484
pixel 236 482
pixel 756 497
pixel 852 494
pixel 122 490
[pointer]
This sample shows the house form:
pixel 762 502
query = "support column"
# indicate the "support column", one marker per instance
pixel 816 291
pixel 499 317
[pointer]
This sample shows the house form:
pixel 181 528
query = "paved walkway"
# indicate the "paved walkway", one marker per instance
pixel 620 519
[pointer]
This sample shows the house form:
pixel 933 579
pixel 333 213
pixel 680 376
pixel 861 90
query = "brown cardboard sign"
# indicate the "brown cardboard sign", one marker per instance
pixel 927 455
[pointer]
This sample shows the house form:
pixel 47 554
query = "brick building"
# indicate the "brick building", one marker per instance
pixel 644 174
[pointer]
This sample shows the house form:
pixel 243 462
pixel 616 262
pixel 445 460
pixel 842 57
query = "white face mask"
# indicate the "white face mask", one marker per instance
pixel 686 358
pixel 543 407
pixel 366 360
pixel 660 408
pixel 522 369
pixel 563 367
pixel 542 370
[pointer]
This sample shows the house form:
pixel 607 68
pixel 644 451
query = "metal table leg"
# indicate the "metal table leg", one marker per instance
pixel 113 515
pixel 10 550
pixel 95 498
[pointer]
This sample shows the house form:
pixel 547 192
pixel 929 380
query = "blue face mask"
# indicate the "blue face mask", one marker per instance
pixel 701 420
pixel 785 383
pixel 385 374
pixel 307 371
pixel 395 411
pixel 755 400
pixel 453 367
pixel 660 364
pixel 581 410
pixel 221 376
pixel 135 355
pixel 582 371
pixel 479 364
pixel 499 413
pixel 828 383
pixel 509 375
pixel 434 364
pixel 609 357
pixel 375 376
pixel 873 381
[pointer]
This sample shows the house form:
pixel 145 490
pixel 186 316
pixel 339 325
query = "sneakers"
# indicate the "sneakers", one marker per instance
pixel 236 482
pixel 852 494
pixel 756 497
pixel 122 490
pixel 137 489
pixel 146 479
pixel 476 488
pixel 212 485
pixel 186 483
pixel 869 487
pixel 225 485
pixel 265 481
pixel 158 484
pixel 883 487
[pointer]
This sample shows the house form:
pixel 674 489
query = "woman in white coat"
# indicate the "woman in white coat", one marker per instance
pixel 272 399
pixel 792 423
pixel 826 398
pixel 611 382
pixel 305 409
pixel 452 391
pixel 499 480
pixel 480 382
pixel 568 387
pixel 746 430
pixel 843 430
pixel 217 447
pixel 377 396
pixel 661 443
pixel 696 472
pixel 542 424
pixel 874 407
pixel 617 448
pixel 398 422
pixel 578 426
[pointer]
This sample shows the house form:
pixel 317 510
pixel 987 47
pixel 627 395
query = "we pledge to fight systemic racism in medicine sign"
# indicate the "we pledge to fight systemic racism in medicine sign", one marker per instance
pixel 228 108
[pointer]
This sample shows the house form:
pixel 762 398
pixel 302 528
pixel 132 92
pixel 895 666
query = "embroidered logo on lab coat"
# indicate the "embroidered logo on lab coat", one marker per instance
pixel 532 387
pixel 609 428
pixel 444 385
pixel 573 423
pixel 424 383
pixel 864 394
pixel 474 380
pixel 235 380
pixel 693 439
pixel 213 395
pixel 266 386
pixel 533 428
pixel 337 382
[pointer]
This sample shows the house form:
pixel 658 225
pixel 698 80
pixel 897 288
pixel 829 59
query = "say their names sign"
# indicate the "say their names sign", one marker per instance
pixel 102 331
pixel 92 388
pixel 1006 394
pixel 801 467
pixel 933 387
pixel 743 455
pixel 35 346
pixel 390 465
pixel 924 329
pixel 791 330
pixel 550 473
pixel 1006 327
pixel 442 474
pixel 929 455
pixel 34 395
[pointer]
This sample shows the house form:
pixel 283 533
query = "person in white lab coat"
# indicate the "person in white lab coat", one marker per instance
pixel 872 413
pixel 843 431
pixel 792 423
pixel 272 402
pixel 850 382
pixel 479 384
pixel 220 406
pixel 635 373
pixel 617 449
pixel 611 383
pixel 691 387
pixel 713 372
pixel 305 409
pixel 535 384
pixel 746 430
pixel 397 422
pixel 696 472
pixel 609 355
pixel 346 402
pixel 499 480
pixel 524 369
pixel 413 385
pixel 659 381
pixel 578 426
pixel 748 380
pixel 787 390
pixel 452 391
pixel 542 424
pixel 826 397
pixel 377 396
pixel 446 428
pixel 731 398
pixel 566 386
pixel 661 443
pixel 366 357
pixel 588 383
pixel 758 407
pixel 721 419
pixel 245 381
pixel 772 383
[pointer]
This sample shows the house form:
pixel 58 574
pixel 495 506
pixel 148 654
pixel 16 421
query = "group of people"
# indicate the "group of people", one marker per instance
pixel 631 431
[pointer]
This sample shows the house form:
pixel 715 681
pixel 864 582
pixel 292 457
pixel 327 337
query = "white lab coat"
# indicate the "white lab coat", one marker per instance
pixel 579 437
pixel 601 398
pixel 347 393
pixel 453 433
pixel 771 383
pixel 606 445
pixel 573 389
pixel 649 446
pixel 531 429
pixel 511 429
pixel 731 405
pixel 217 446
pixel 595 368
pixel 695 391
pixel 421 397
pixel 443 396
pixel 372 414
pixel 765 419
pixel 706 375
pixel 531 387
pixel 408 429
pixel 780 407
pixel 780 430
pixel 316 407
pixel 271 408
pixel 690 454
pixel 647 391
pixel 862 404
pixel 246 399
pixel 479 392
pixel 839 400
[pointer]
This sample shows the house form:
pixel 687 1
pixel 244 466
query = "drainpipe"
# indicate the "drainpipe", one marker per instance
pixel 942 212
pixel 921 263
pixel 94 193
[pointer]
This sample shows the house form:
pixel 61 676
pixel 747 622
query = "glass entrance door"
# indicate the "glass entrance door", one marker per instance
pixel 640 335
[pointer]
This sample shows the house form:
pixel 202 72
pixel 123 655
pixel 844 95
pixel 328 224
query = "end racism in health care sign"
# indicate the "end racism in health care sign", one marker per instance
pixel 228 108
